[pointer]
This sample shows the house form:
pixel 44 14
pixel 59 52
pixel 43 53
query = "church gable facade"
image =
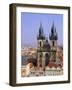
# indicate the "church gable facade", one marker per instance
pixel 46 49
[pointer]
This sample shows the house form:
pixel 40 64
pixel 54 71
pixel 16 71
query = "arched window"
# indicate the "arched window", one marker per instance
pixel 53 43
pixel 40 43
pixel 47 59
pixel 40 60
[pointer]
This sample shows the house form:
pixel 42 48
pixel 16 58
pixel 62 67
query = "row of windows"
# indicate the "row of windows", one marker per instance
pixel 53 43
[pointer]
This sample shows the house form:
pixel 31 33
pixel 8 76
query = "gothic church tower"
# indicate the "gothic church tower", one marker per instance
pixel 43 50
pixel 53 42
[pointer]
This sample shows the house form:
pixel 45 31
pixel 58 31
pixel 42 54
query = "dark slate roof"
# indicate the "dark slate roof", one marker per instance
pixel 41 37
pixel 53 35
pixel 41 33
pixel 46 45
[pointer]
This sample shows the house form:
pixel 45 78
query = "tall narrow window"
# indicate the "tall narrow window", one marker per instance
pixel 53 43
pixel 40 43
pixel 40 61
pixel 47 59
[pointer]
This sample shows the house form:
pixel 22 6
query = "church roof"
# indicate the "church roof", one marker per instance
pixel 41 33
pixel 53 35
pixel 52 65
pixel 47 46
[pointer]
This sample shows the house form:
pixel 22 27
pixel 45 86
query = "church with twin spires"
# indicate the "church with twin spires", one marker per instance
pixel 47 48
pixel 48 60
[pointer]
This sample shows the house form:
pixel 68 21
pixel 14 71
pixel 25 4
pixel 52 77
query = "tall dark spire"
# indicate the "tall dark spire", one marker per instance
pixel 52 29
pixel 53 35
pixel 41 33
pixel 41 29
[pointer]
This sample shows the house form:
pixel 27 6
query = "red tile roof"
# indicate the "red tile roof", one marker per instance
pixel 53 65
